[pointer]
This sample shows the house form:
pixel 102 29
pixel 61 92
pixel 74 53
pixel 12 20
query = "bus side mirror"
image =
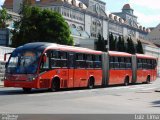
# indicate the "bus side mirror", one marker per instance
pixel 5 56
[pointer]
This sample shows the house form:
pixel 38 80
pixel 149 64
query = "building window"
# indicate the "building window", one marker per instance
pixel 80 28
pixel 73 25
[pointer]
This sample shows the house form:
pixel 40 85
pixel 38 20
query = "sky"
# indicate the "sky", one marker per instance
pixel 147 11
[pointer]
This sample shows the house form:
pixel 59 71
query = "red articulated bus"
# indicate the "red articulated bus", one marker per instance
pixel 146 68
pixel 120 65
pixel 52 66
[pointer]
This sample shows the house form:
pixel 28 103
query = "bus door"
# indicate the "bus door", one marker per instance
pixel 80 72
pixel 71 63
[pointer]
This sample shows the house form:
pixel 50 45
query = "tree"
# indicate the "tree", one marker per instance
pixel 139 47
pixel 115 44
pixel 100 44
pixel 130 46
pixel 111 42
pixel 4 17
pixel 37 25
pixel 121 44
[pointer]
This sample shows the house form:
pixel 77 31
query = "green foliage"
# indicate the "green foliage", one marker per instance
pixel 115 44
pixel 111 42
pixel 121 44
pixel 139 47
pixel 37 25
pixel 100 44
pixel 130 46
pixel 4 17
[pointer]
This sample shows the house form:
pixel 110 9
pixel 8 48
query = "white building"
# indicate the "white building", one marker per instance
pixel 87 19
pixel 154 35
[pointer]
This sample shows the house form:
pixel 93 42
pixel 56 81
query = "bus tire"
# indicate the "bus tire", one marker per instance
pixel 126 81
pixel 148 80
pixel 55 85
pixel 26 90
pixel 91 83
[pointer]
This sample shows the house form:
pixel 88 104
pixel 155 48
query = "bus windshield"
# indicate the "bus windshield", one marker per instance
pixel 24 62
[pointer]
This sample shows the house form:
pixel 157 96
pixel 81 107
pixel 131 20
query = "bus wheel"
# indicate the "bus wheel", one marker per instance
pixel 148 80
pixel 55 85
pixel 126 82
pixel 91 83
pixel 26 90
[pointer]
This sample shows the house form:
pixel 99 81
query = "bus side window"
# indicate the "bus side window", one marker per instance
pixel 154 64
pixel 54 59
pixel 116 63
pixel 80 60
pixel 128 63
pixel 63 59
pixel 111 62
pixel 97 62
pixel 54 54
pixel 139 63
pixel 144 64
pixel 71 60
pixel 151 64
pixel 148 64
pixel 89 61
pixel 58 59
pixel 122 64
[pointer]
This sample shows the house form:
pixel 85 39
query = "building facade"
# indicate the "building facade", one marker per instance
pixel 154 35
pixel 88 18
pixel 5 36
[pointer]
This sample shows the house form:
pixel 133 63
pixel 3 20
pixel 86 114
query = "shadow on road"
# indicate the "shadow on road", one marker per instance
pixel 156 103
pixel 12 91
pixel 34 91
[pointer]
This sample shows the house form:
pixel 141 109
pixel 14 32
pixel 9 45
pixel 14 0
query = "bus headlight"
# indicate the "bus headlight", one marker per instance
pixel 32 77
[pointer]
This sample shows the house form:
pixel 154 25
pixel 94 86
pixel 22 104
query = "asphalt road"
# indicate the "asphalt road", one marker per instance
pixel 140 98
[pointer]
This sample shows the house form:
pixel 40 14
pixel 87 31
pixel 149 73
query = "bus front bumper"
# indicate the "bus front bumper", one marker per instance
pixel 21 84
